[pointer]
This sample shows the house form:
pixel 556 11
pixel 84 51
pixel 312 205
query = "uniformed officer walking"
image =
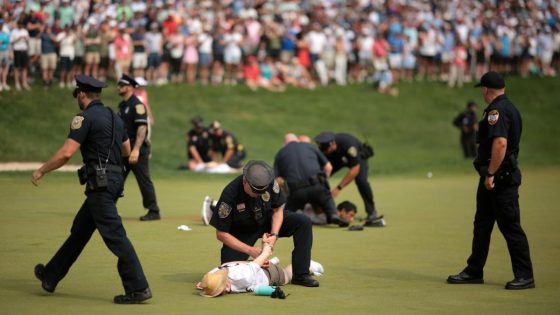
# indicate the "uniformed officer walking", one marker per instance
pixel 345 150
pixel 467 122
pixel 198 145
pixel 224 142
pixel 251 206
pixel 497 198
pixel 101 138
pixel 133 114
pixel 303 170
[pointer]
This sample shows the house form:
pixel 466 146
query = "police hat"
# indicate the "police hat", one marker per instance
pixel 324 137
pixel 197 122
pixel 259 175
pixel 127 80
pixel 492 80
pixel 86 83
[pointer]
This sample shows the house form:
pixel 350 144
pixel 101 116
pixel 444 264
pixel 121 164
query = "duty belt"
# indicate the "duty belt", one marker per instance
pixel 311 181
pixel 110 168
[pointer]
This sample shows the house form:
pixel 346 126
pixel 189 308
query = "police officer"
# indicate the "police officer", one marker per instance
pixel 224 142
pixel 101 138
pixel 497 198
pixel 198 145
pixel 303 170
pixel 251 206
pixel 344 150
pixel 468 124
pixel 133 114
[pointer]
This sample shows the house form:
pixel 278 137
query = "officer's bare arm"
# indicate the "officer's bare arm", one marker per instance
pixel 194 153
pixel 328 169
pixel 60 158
pixel 277 219
pixel 352 173
pixel 499 146
pixel 140 136
pixel 125 149
pixel 235 244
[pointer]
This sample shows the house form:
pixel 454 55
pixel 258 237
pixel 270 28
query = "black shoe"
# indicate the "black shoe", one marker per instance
pixel 520 284
pixel 335 219
pixel 464 278
pixel 40 274
pixel 150 216
pixel 133 297
pixel 372 221
pixel 305 280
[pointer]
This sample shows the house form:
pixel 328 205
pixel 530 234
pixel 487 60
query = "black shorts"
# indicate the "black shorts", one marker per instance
pixel 79 60
pixel 66 63
pixel 104 62
pixel 21 59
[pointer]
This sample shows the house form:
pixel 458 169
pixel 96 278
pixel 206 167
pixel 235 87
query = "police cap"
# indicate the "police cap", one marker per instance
pixel 127 80
pixel 86 83
pixel 324 137
pixel 492 80
pixel 259 175
pixel 197 122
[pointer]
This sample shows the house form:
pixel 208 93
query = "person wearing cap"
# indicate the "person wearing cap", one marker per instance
pixel 133 113
pixel 224 142
pixel 101 138
pixel 303 170
pixel 467 122
pixel 198 145
pixel 251 206
pixel 345 150
pixel 497 197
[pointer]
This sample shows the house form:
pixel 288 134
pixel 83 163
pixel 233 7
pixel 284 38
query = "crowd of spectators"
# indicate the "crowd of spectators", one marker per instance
pixel 271 44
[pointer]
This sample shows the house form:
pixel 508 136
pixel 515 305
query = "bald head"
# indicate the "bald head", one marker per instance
pixel 290 137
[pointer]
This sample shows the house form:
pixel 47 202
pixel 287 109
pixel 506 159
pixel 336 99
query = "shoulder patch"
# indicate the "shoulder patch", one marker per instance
pixel 224 210
pixel 265 197
pixel 493 117
pixel 140 109
pixel 275 187
pixel 77 122
pixel 353 152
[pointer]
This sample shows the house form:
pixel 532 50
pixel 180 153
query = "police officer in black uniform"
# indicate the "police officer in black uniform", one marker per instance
pixel 345 150
pixel 133 114
pixel 303 170
pixel 250 207
pixel 467 122
pixel 100 136
pixel 198 145
pixel 497 198
pixel 224 142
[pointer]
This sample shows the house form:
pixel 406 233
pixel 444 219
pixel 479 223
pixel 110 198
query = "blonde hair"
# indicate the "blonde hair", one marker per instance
pixel 214 283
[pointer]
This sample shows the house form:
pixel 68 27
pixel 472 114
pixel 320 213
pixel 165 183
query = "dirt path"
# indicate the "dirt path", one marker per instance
pixel 31 166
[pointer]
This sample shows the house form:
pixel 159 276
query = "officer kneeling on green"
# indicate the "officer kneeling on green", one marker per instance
pixel 101 137
pixel 251 206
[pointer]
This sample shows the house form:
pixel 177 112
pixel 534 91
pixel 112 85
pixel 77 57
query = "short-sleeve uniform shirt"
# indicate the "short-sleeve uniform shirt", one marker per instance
pixel 298 161
pixel 93 129
pixel 237 213
pixel 347 152
pixel 133 114
pixel 201 141
pixel 501 119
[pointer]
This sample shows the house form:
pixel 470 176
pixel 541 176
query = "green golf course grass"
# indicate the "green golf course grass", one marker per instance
pixel 400 269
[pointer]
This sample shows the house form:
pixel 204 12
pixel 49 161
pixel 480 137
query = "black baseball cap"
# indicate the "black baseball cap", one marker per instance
pixel 127 80
pixel 259 175
pixel 197 122
pixel 86 83
pixel 492 80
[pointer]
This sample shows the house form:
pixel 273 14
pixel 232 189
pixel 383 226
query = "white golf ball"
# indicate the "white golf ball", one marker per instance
pixel 429 175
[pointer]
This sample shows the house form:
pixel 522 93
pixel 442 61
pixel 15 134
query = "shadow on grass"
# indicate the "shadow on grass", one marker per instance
pixel 33 288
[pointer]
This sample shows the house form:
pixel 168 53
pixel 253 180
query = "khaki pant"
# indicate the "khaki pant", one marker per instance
pixel 48 61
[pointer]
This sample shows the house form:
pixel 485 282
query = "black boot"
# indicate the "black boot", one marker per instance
pixel 134 297
pixel 45 284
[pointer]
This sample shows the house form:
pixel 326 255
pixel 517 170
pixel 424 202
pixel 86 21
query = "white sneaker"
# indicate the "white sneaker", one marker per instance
pixel 206 212
pixel 7 87
pixel 274 260
pixel 316 268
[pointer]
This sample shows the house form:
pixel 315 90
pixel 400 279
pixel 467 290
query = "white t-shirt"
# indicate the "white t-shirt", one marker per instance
pixel 244 276
pixel 205 41
pixel 19 33
pixel 154 40
pixel 66 41
pixel 317 41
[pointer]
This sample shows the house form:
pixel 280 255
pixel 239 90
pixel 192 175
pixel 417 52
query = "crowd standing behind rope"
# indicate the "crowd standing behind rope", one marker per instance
pixel 271 44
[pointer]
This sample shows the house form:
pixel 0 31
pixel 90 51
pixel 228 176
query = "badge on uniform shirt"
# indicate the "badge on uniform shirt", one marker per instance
pixel 353 152
pixel 493 117
pixel 194 138
pixel 241 207
pixel 126 110
pixel 140 109
pixel 265 197
pixel 224 210
pixel 76 122
pixel 344 160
